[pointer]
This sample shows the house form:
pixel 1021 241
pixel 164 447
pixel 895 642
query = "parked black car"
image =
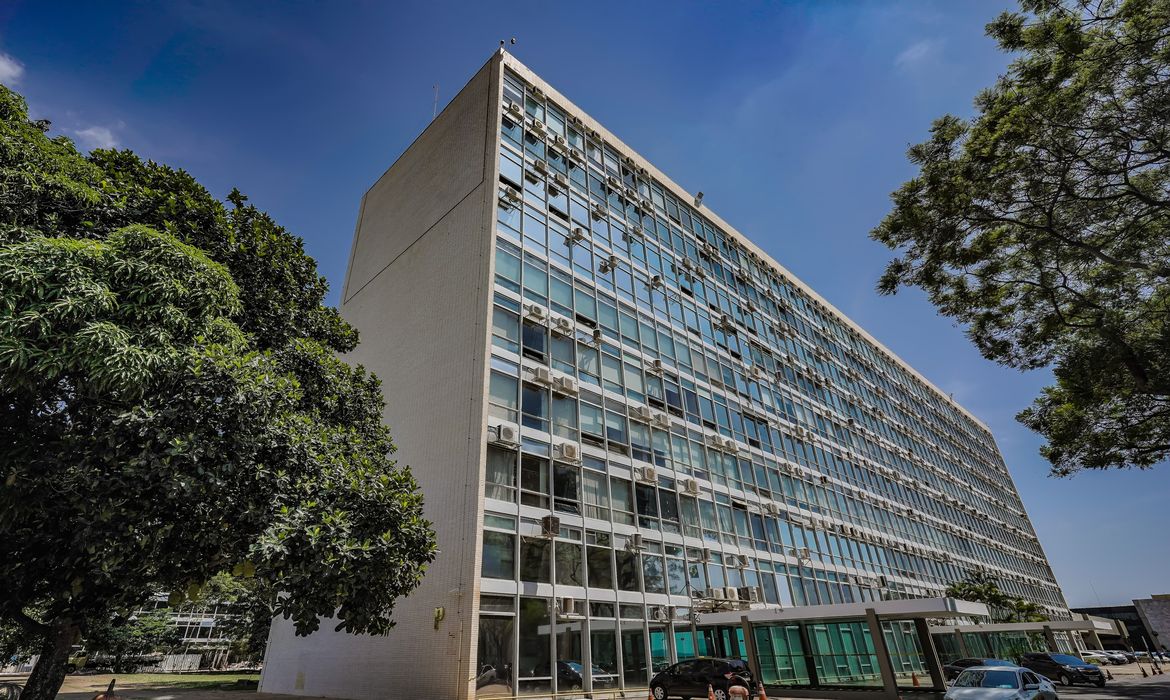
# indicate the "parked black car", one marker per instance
pixel 1064 669
pixel 689 679
pixel 954 668
pixel 569 676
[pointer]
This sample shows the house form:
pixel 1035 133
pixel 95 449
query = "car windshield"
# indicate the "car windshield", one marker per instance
pixel 574 665
pixel 988 679
pixel 1065 659
pixel 996 662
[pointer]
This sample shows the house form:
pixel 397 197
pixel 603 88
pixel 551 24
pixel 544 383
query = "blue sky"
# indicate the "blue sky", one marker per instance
pixel 795 119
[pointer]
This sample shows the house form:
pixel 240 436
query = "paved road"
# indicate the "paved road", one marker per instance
pixel 1128 688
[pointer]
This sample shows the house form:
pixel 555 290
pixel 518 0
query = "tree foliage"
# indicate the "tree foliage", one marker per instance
pixel 1043 224
pixel 981 587
pixel 124 639
pixel 172 408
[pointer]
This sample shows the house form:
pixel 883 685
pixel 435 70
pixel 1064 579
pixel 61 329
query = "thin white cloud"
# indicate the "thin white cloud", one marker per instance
pixel 96 137
pixel 916 53
pixel 10 69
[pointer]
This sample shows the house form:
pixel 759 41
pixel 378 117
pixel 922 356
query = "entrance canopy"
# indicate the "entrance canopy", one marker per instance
pixel 910 609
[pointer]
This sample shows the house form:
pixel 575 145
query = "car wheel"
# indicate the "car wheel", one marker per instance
pixel 71 668
pixel 658 692
pixel 721 694
pixel 1064 679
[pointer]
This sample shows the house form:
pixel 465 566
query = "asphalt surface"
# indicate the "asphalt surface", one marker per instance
pixel 1122 688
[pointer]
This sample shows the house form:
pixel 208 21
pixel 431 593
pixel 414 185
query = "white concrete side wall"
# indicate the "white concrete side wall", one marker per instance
pixel 418 290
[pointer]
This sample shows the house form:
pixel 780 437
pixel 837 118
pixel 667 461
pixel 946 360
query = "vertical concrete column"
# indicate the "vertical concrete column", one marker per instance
pixel 810 662
pixel 1095 640
pixel 753 657
pixel 889 680
pixel 933 665
pixel 1050 639
pixel 962 643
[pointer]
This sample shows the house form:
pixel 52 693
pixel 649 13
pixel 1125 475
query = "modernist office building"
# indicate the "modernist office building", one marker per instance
pixel 623 412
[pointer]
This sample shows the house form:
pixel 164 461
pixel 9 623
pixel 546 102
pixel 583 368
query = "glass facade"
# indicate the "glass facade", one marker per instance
pixel 706 433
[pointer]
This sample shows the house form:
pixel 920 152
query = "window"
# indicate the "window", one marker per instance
pixel 535 341
pixel 622 501
pixel 505 330
pixel 499 555
pixel 534 402
pixel 534 486
pixel 501 474
pixel 627 570
pixel 600 562
pixel 535 559
pixel 566 488
pixel 595 495
pixel 502 396
pixel 570 567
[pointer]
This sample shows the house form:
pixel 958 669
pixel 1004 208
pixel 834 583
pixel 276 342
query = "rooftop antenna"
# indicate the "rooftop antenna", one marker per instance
pixel 511 41
pixel 435 109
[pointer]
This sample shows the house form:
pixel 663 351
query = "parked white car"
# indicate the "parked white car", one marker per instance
pixel 1001 683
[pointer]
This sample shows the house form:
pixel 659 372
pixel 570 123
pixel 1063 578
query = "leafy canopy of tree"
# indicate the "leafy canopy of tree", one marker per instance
pixel 125 639
pixel 172 408
pixel 981 587
pixel 1043 224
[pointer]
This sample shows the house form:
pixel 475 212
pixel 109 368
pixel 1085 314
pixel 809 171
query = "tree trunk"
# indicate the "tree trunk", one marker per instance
pixel 49 673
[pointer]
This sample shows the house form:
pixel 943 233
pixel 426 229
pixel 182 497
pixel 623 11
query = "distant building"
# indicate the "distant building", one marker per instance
pixel 1147 620
pixel 621 412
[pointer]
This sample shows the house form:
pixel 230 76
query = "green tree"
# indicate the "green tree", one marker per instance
pixel 982 587
pixel 172 407
pixel 1043 224
pixel 252 605
pixel 124 638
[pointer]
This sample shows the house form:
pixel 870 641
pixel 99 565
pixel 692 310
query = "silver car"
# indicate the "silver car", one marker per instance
pixel 1000 683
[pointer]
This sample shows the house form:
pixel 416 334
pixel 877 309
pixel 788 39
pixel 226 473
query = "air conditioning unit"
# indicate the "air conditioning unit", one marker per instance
pixel 535 312
pixel 636 231
pixel 541 374
pixel 613 183
pixel 509 196
pixel 805 553
pixel 660 420
pixel 732 592
pixel 647 474
pixel 550 526
pixel 561 181
pixel 654 366
pixel 599 210
pixel 538 129
pixel 608 265
pixel 644 413
pixel 715 441
pixel 565 385
pixel 635 541
pixel 568 452
pixel 540 166
pixel 726 322
pixel 751 594
pixel 717 594
pixel 655 282
pixel 598 335
pixel 689 486
pixel 567 608
pixel 730 444
pixel 516 111
pixel 559 140
pixel 742 560
pixel 562 326
pixel 505 434
pixel 772 508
